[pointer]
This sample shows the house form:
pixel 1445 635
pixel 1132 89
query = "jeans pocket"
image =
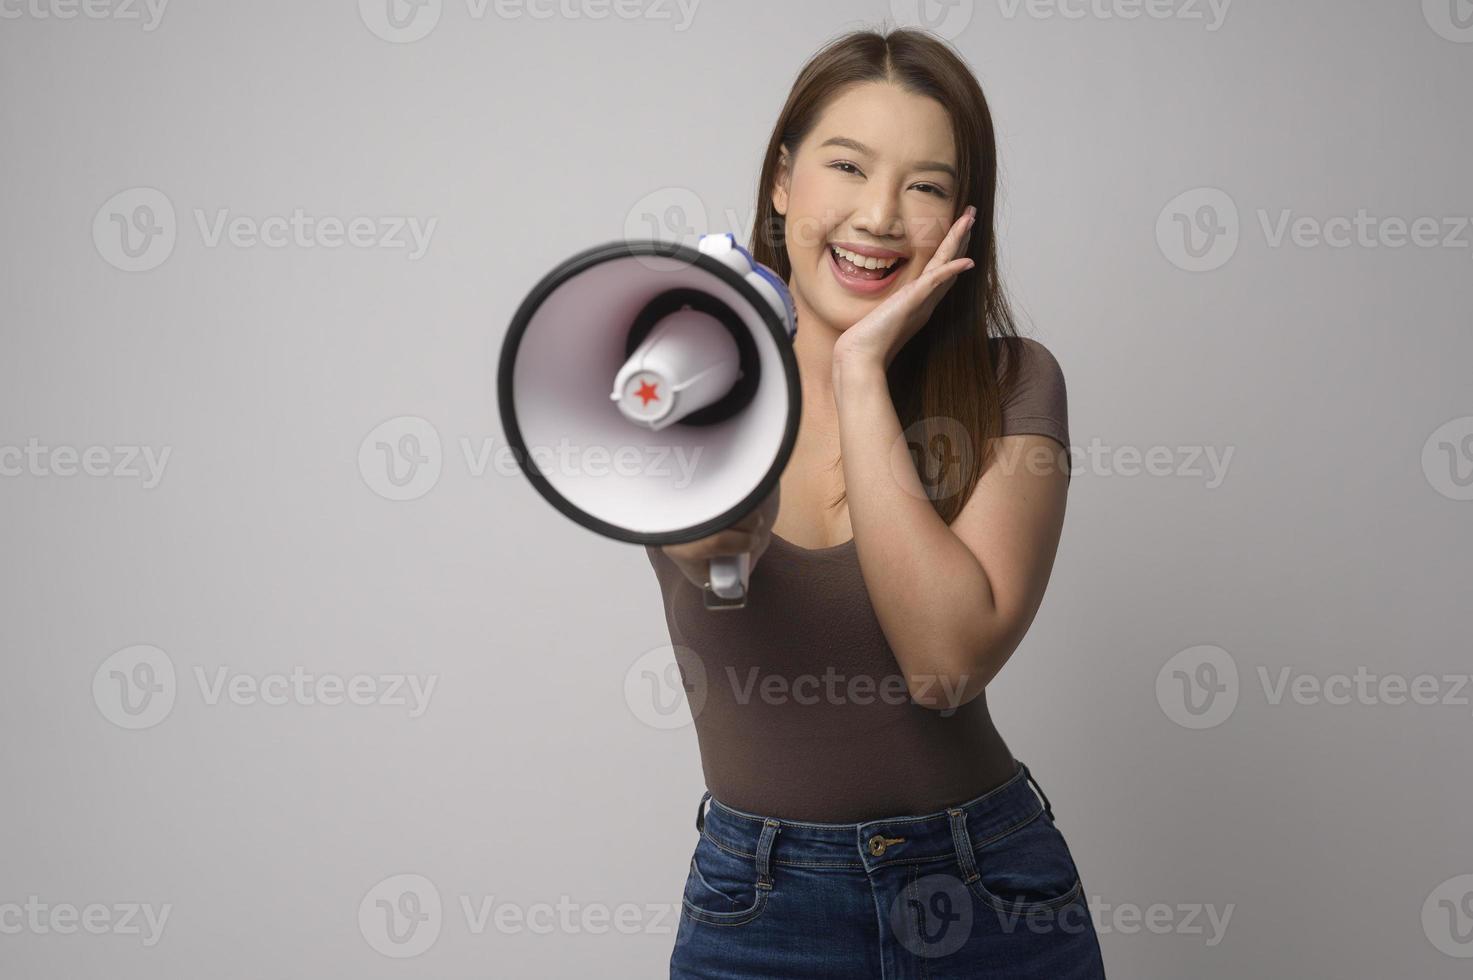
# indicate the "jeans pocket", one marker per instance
pixel 1027 870
pixel 722 887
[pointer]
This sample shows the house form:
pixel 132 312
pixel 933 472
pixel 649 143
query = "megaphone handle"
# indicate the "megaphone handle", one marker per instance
pixel 728 577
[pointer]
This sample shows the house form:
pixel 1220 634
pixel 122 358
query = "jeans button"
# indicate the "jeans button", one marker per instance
pixel 877 845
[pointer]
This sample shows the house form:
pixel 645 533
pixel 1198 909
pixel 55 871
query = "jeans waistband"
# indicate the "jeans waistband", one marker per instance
pixel 871 844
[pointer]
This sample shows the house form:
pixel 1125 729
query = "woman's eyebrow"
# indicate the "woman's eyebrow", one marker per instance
pixel 858 147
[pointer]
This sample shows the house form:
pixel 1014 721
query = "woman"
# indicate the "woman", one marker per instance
pixel 866 819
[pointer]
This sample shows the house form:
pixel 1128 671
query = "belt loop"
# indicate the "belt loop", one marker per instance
pixel 701 812
pixel 770 828
pixel 963 842
pixel 1047 807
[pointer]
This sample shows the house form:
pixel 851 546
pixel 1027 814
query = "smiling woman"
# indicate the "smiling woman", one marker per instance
pixel 900 207
pixel 852 765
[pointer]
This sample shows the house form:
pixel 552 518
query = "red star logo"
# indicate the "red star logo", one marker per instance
pixel 647 392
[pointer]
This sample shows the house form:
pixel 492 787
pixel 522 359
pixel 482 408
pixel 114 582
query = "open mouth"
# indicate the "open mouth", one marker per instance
pixel 861 269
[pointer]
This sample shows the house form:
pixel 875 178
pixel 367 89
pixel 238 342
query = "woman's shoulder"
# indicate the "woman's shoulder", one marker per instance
pixel 1037 357
pixel 1038 401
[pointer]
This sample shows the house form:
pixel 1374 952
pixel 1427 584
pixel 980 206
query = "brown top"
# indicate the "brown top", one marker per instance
pixel 800 707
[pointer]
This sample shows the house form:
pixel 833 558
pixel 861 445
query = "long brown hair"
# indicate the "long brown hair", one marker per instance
pixel 949 369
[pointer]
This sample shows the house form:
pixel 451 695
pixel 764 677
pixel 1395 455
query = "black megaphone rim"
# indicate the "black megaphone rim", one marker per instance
pixel 630 249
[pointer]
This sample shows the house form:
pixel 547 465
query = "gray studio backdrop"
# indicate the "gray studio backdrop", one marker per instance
pixel 302 679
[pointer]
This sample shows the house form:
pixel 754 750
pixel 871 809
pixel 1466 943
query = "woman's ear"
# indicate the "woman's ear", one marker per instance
pixel 782 181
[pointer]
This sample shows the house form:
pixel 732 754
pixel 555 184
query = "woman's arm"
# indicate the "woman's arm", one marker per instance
pixel 954 602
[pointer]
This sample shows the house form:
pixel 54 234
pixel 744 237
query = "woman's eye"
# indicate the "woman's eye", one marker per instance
pixel 841 166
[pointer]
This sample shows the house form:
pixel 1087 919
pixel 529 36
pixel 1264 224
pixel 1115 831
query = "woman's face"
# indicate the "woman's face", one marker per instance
pixel 873 184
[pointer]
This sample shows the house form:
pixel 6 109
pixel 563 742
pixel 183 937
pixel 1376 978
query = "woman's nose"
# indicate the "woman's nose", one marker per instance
pixel 879 213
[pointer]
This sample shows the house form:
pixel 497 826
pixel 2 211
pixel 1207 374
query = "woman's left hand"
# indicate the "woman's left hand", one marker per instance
pixel 877 337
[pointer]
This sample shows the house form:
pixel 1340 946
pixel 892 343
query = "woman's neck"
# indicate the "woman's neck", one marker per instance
pixel 814 349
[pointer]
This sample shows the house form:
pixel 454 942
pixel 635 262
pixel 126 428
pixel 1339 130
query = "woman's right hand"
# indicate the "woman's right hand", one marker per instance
pixel 750 535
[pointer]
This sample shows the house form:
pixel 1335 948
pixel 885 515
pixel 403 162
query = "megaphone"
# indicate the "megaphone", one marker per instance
pixel 677 360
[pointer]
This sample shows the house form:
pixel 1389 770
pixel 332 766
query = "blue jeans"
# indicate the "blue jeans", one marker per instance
pixel 987 888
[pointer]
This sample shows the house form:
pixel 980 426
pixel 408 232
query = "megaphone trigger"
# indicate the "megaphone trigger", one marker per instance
pixel 726 585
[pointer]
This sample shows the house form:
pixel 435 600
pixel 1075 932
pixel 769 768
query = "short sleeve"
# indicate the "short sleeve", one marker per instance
pixel 1039 402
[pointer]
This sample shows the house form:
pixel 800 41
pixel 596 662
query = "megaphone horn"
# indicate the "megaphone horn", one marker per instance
pixel 656 347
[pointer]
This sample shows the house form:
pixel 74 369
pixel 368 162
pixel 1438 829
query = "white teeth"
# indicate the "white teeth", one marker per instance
pixel 864 261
